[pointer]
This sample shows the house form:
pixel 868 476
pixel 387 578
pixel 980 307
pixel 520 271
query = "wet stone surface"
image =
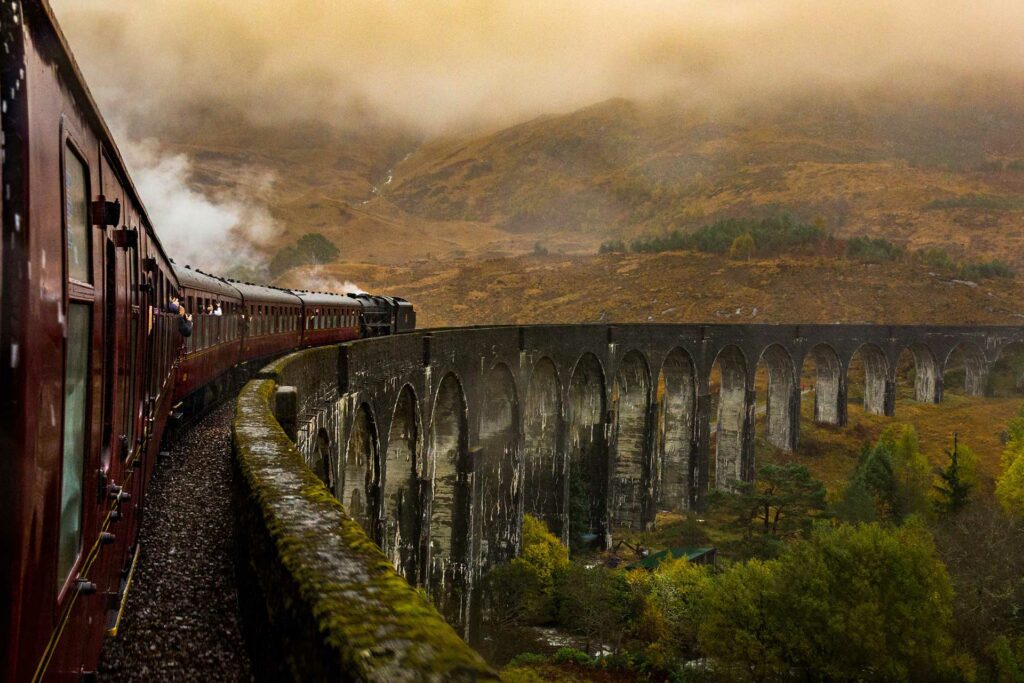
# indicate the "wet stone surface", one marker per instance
pixel 182 618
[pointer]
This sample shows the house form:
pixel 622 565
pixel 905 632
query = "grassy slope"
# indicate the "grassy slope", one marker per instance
pixel 680 287
pixel 866 164
pixel 831 454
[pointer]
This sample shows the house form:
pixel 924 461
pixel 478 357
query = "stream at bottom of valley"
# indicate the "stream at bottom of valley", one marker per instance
pixel 500 643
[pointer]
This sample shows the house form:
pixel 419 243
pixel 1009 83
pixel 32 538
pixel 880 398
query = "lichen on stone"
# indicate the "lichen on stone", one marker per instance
pixel 367 622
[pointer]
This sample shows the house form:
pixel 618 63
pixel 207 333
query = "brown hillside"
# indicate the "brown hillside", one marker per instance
pixel 881 165
pixel 678 287
pixel 943 170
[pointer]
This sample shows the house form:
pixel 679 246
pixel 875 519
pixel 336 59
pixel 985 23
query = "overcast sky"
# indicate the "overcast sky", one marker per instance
pixel 438 65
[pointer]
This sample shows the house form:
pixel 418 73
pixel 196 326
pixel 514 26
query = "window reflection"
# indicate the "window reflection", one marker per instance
pixel 76 376
pixel 76 211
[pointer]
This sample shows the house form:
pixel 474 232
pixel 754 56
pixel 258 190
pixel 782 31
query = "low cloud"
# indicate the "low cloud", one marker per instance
pixel 444 65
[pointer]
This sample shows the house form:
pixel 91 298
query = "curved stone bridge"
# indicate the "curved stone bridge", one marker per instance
pixel 438 441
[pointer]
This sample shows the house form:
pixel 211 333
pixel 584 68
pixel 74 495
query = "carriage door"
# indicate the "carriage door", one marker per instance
pixel 133 418
pixel 115 348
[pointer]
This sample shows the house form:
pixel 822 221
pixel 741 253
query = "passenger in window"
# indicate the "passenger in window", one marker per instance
pixel 184 323
pixel 217 311
pixel 174 305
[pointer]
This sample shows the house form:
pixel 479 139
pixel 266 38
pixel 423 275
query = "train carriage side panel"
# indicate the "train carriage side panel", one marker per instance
pixel 328 318
pixel 56 298
pixel 272 321
pixel 215 346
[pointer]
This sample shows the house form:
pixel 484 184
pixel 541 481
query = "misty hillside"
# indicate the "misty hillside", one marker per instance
pixel 889 167
pixel 947 171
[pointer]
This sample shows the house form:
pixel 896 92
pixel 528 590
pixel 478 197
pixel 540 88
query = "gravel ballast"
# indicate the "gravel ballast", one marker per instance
pixel 182 620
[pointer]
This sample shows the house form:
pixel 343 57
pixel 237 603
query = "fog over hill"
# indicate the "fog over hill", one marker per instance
pixel 406 131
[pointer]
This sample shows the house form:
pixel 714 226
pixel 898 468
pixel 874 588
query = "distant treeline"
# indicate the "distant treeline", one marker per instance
pixel 770 235
pixel 744 238
pixel 976 201
pixel 310 249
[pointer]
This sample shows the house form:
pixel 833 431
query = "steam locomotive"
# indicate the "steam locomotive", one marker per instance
pixel 94 360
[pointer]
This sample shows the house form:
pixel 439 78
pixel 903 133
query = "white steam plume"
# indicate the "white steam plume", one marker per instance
pixel 317 279
pixel 218 231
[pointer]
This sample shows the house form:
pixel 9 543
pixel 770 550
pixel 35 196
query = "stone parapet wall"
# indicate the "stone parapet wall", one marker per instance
pixel 438 442
pixel 323 602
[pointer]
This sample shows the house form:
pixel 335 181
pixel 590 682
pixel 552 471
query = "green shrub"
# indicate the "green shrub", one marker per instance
pixel 527 659
pixel 668 611
pixel 771 235
pixel 862 602
pixel 595 602
pixel 742 247
pixel 873 250
pixel 1007 667
pixel 976 201
pixel 522 591
pixel 612 247
pixel 987 269
pixel 936 258
pixel 311 248
pixel 570 655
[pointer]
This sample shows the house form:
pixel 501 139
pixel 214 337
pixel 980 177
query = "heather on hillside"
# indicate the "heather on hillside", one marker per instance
pixel 744 238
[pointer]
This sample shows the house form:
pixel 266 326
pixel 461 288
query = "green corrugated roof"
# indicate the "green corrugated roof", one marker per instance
pixel 652 561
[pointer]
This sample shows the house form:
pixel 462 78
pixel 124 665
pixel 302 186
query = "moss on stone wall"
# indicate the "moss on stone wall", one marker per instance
pixel 334 604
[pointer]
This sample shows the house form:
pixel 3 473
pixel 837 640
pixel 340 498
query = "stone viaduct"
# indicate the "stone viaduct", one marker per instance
pixel 438 441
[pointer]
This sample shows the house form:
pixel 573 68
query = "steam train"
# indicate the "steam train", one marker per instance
pixel 94 358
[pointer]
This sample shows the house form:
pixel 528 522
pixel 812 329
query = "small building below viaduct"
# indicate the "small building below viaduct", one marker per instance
pixel 438 441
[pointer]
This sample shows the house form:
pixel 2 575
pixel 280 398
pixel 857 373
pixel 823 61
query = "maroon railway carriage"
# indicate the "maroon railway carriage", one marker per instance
pixel 215 347
pixel 87 357
pixel 328 318
pixel 272 321
pixel 91 359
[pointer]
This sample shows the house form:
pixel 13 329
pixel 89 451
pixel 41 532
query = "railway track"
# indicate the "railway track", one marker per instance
pixel 181 619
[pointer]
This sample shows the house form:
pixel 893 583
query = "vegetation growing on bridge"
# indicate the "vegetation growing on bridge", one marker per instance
pixel 332 604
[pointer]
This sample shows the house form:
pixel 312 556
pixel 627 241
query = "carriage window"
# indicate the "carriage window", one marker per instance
pixel 76 216
pixel 76 384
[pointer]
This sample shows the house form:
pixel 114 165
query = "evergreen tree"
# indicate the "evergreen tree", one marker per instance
pixel 911 472
pixel 954 487
pixel 874 479
pixel 781 503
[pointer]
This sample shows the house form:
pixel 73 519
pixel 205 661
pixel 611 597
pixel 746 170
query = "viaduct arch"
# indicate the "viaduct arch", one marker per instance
pixel 445 438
